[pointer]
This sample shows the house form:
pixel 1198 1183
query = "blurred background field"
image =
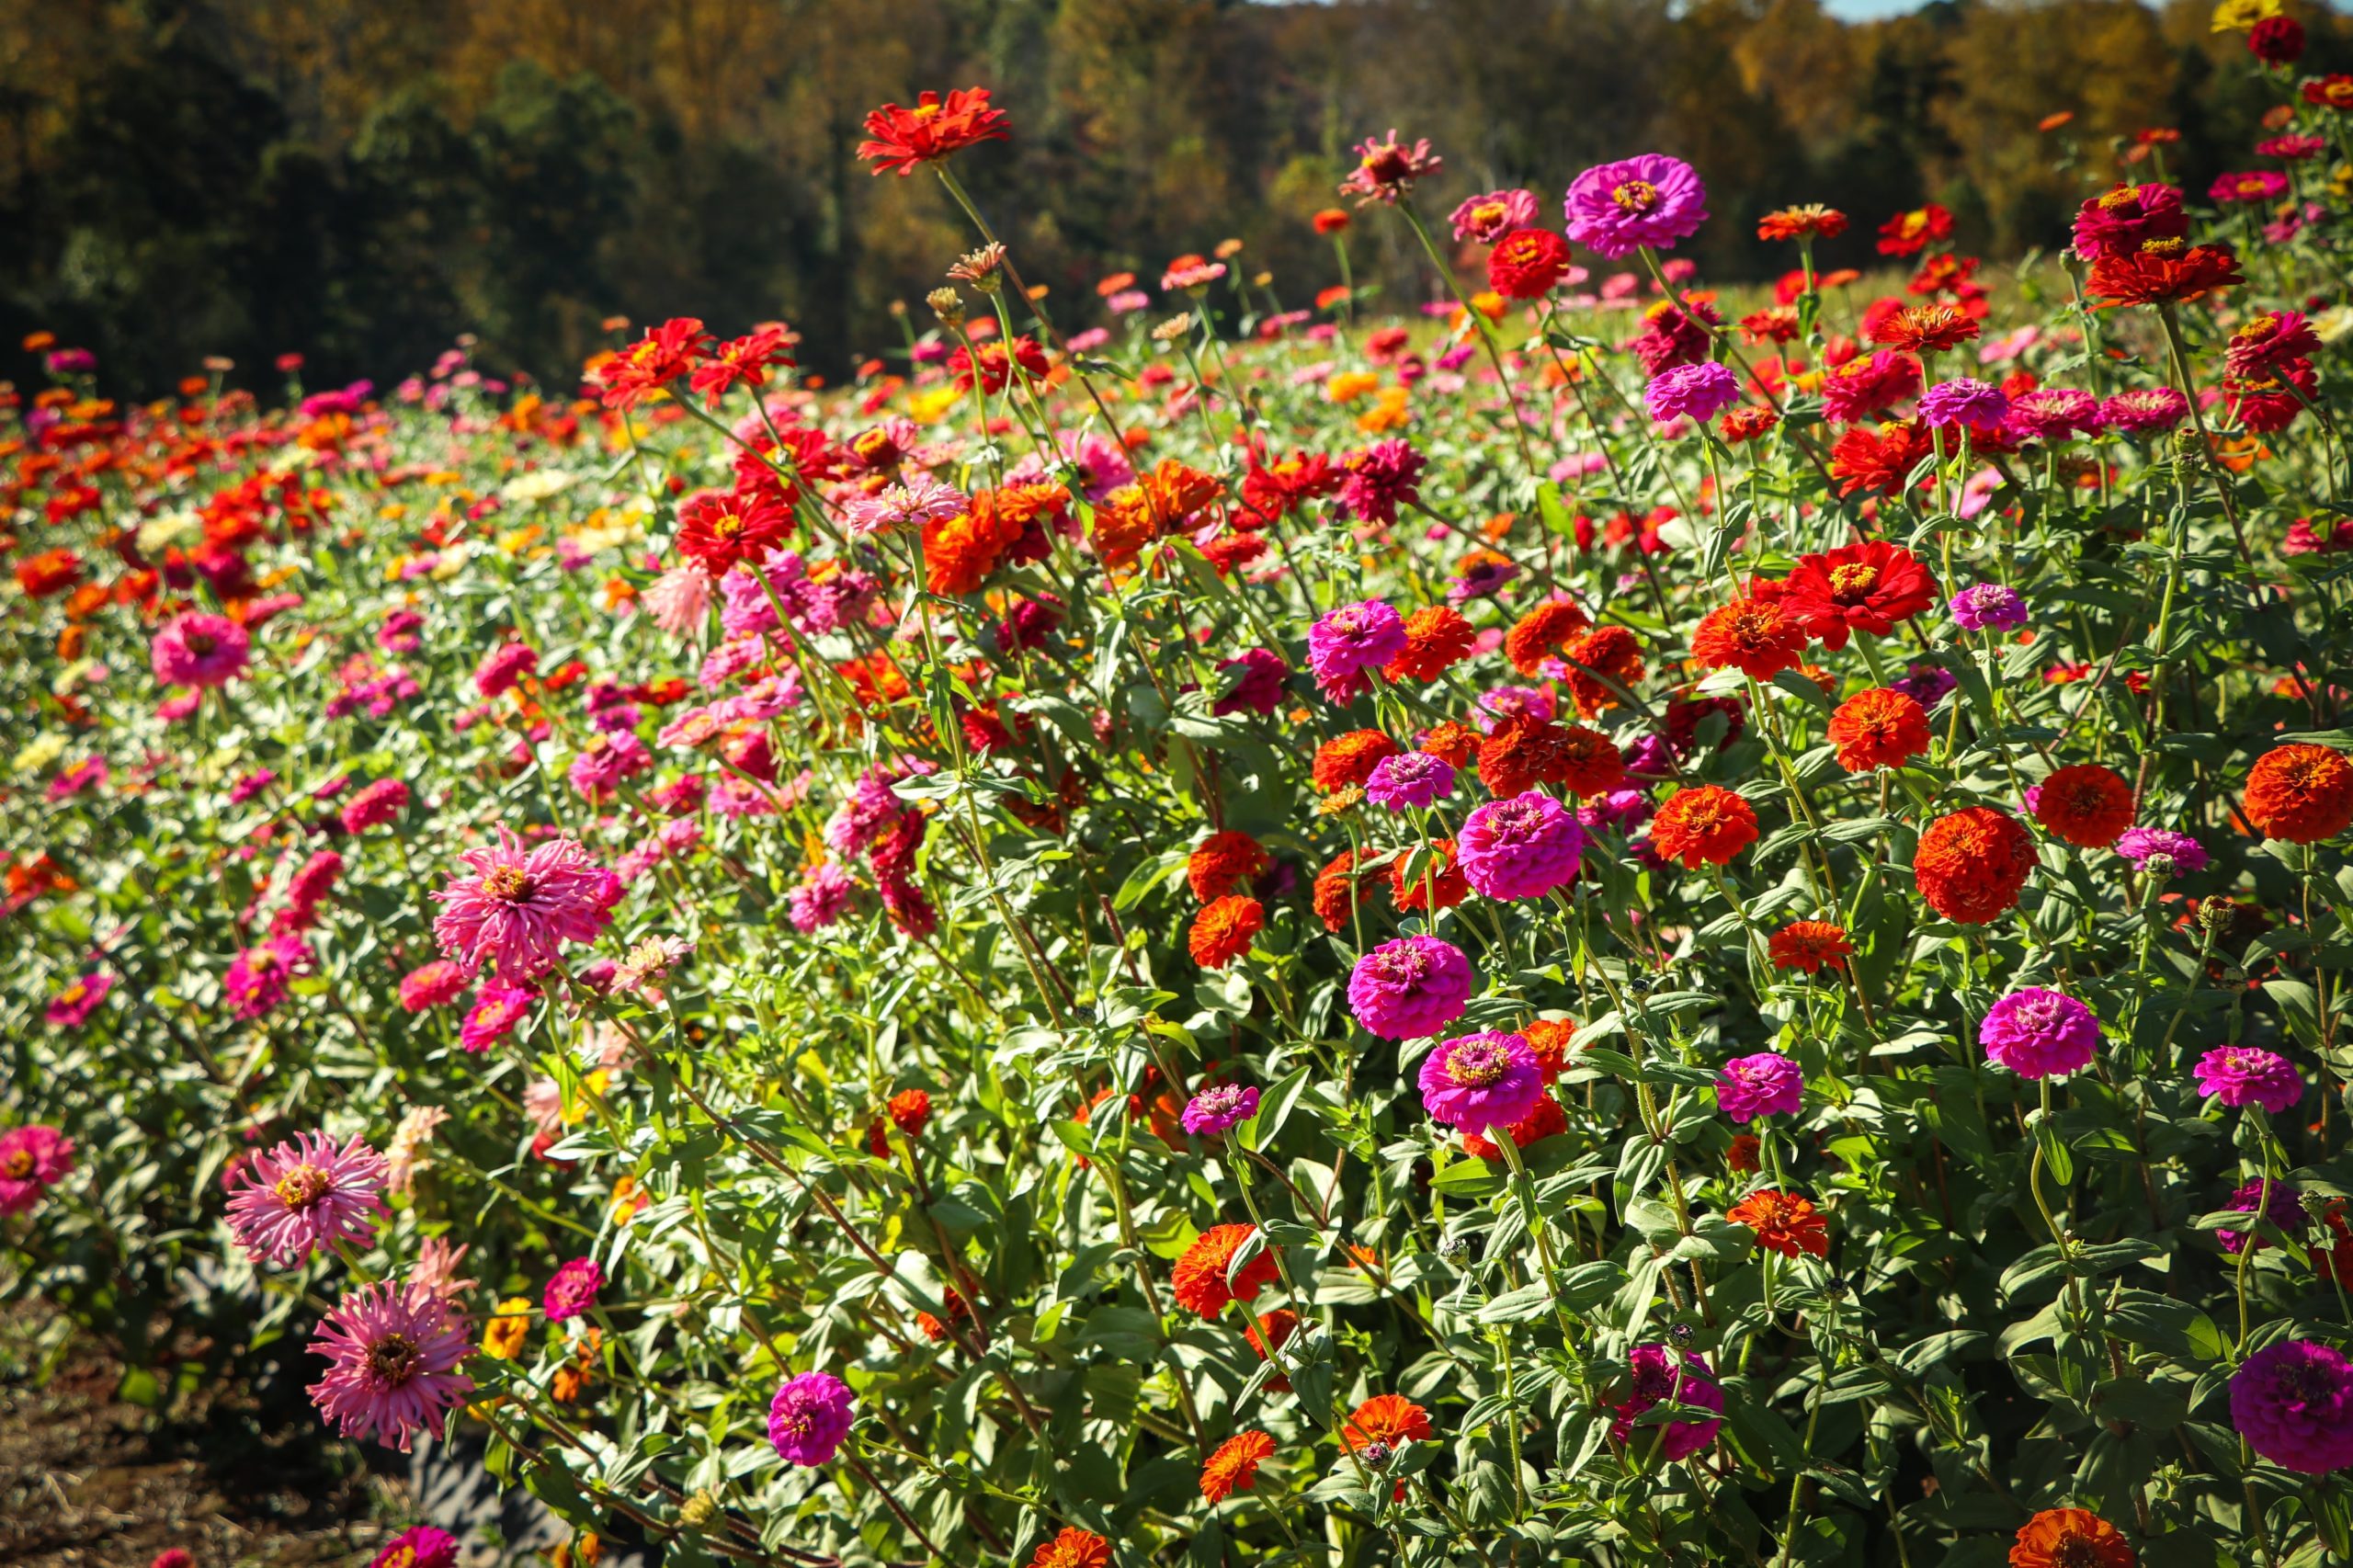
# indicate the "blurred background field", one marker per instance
pixel 357 181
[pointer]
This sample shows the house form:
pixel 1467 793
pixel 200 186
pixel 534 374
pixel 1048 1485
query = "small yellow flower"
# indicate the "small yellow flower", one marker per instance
pixel 2240 16
pixel 509 1326
pixel 1349 385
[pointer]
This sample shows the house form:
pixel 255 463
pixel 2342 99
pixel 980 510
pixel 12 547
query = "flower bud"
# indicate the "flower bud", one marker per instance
pixel 948 305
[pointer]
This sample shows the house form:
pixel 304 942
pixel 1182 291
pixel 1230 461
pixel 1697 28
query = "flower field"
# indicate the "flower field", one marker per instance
pixel 1224 920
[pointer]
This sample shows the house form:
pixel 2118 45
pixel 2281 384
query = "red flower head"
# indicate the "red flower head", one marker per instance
pixel 1879 728
pixel 1972 865
pixel 1224 930
pixel 1339 887
pixel 1758 636
pixel 661 356
pixel 720 531
pixel 1350 759
pixel 1924 329
pixel 1542 632
pixel 1201 1283
pixel 1388 1419
pixel 1234 1466
pixel 2071 1538
pixel 1527 264
pixel 2331 92
pixel 2301 793
pixel 1611 651
pixel 1908 233
pixel 1808 945
pixel 1879 461
pixel 1073 1549
pixel 1706 825
pixel 1784 1223
pixel 900 139
pixel 1808 221
pixel 2162 272
pixel 1435 638
pixel 1442 880
pixel 1856 587
pixel 910 1111
pixel 1223 861
pixel 2086 804
pixel 995 364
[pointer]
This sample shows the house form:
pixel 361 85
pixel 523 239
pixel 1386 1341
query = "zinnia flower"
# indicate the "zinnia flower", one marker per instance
pixel 306 1196
pixel 1486 219
pixel 1409 779
pixel 1074 1549
pixel 420 1546
pixel 1785 1222
pixel 1703 825
pixel 392 1354
pixel 1650 201
pixel 1658 1378
pixel 1963 401
pixel 572 1290
pixel 899 141
pixel 1388 1419
pixel 1234 1466
pixel 1520 848
pixel 199 649
pixel 2293 1403
pixel 1477 1081
pixel 1411 987
pixel 809 1418
pixel 1225 930
pixel 1988 607
pixel 1870 587
pixel 2071 1538
pixel 1527 264
pixel 2086 804
pixel 1972 865
pixel 1809 945
pixel 2127 217
pixel 2246 1074
pixel 518 905
pixel 72 1007
pixel 1756 636
pixel 2283 1207
pixel 1878 728
pixel 2040 1033
pixel 2160 851
pixel 32 1160
pixel 1200 1278
pixel 1345 642
pixel 1387 168
pixel 2301 793
pixel 261 977
pixel 1766 1083
pixel 1698 392
pixel 1220 1108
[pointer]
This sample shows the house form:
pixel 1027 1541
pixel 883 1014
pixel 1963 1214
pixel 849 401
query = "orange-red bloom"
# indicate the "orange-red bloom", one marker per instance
pixel 1224 860
pixel 1612 651
pixel 1879 728
pixel 1224 930
pixel 1074 1549
pixel 1549 1039
pixel 900 139
pixel 910 1111
pixel 1200 1276
pixel 2162 272
pixel 1878 462
pixel 1443 881
pixel 1924 329
pixel 1754 636
pixel 1339 887
pixel 1784 1223
pixel 1544 1120
pixel 1704 825
pixel 1435 638
pixel 2301 793
pixel 1350 759
pixel 1235 1464
pixel 1866 587
pixel 1542 632
pixel 1801 223
pixel 1907 233
pixel 1809 944
pixel 1972 865
pixel 1386 1419
pixel 2071 1538
pixel 2086 804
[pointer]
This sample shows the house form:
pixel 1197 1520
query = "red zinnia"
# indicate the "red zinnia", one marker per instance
pixel 1543 632
pixel 1924 329
pixel 2085 804
pixel 1784 1223
pixel 1526 263
pixel 1612 651
pixel 1434 638
pixel 723 531
pixel 1856 587
pixel 1971 865
pixel 1908 233
pixel 1809 945
pixel 1200 1276
pixel 2301 793
pixel 2071 1538
pixel 1074 1549
pixel 2162 272
pixel 1222 861
pixel 1234 1466
pixel 900 139
pixel 1339 890
pixel 1879 461
pixel 1706 825
pixel 1879 728
pixel 1802 222
pixel 1350 759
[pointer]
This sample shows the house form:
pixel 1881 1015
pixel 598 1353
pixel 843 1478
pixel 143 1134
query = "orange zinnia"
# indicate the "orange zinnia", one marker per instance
pixel 1434 638
pixel 1350 759
pixel 2071 1538
pixel 1924 329
pixel 1541 632
pixel 2086 804
pixel 1224 929
pixel 1706 825
pixel 1074 1549
pixel 1752 636
pixel 1784 1223
pixel 1809 944
pixel 1234 1466
pixel 1611 651
pixel 2301 793
pixel 1971 865
pixel 1879 728
pixel 1222 860
pixel 1385 1418
pixel 1200 1276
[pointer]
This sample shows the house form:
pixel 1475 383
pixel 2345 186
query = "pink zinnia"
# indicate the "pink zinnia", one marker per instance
pixel 392 1354
pixel 1489 218
pixel 1258 688
pixel 32 1160
pixel 2145 410
pixel 494 1015
pixel 519 904
pixel 572 1290
pixel 1345 642
pixel 2040 1033
pixel 1474 1082
pixel 72 1007
pixel 819 898
pixel 1381 478
pixel 503 666
pixel 1657 1381
pixel 1767 1083
pixel 1650 201
pixel 375 805
pixel 2246 1074
pixel 1409 987
pixel 431 985
pixel 420 1547
pixel 2293 1403
pixel 305 1196
pixel 1220 1108
pixel 1522 848
pixel 809 1418
pixel 199 649
pixel 261 977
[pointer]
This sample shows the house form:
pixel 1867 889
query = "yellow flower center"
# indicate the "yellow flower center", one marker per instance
pixel 1635 197
pixel 508 885
pixel 1853 580
pixel 302 1186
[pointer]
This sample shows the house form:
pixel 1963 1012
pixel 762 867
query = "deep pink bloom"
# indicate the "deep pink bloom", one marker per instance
pixel 809 1418
pixel 1522 848
pixel 1474 1082
pixel 2284 1207
pixel 419 1547
pixel 503 666
pixel 1381 478
pixel 2293 1403
pixel 261 977
pixel 1345 642
pixel 392 1354
pixel 2054 413
pixel 2145 411
pixel 1615 210
pixel 2161 851
pixel 518 905
pixel 199 649
pixel 1387 168
pixel 494 1015
pixel 1410 987
pixel 72 1007
pixel 1767 1083
pixel 572 1290
pixel 1963 401
pixel 1258 688
pixel 1657 1379
pixel 2119 223
pixel 2038 1033
pixel 1698 392
pixel 431 985
pixel 375 805
pixel 32 1160
pixel 819 898
pixel 1220 1108
pixel 305 1195
pixel 2247 1074
pixel 1409 778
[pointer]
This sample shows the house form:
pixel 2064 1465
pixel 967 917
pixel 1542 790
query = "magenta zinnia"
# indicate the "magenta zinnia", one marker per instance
pixel 519 904
pixel 392 1354
pixel 306 1196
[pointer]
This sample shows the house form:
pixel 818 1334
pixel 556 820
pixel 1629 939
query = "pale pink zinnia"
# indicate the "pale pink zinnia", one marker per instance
pixel 680 600
pixel 392 1353
pixel 520 904
pixel 306 1196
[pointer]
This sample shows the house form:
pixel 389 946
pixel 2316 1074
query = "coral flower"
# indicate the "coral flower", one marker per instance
pixel 899 141
pixel 809 1418
pixel 1543 632
pixel 2301 793
pixel 2161 276
pixel 1924 329
pixel 1477 1081
pixel 1410 987
pixel 1436 638
pixel 1234 1466
pixel 1809 945
pixel 1387 168
pixel 1758 637
pixel 1970 865
pixel 1074 1549
pixel 2071 1538
pixel 32 1160
pixel 392 1354
pixel 518 905
pixel 199 650
pixel 1387 1419
pixel 2086 804
pixel 1486 219
pixel 1224 930
pixel 1869 586
pixel 1201 1286
pixel 2292 1401
pixel 1615 210
pixel 1785 1222
pixel 1810 220
pixel 1706 825
pixel 1879 728
pixel 1222 862
pixel 306 1196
